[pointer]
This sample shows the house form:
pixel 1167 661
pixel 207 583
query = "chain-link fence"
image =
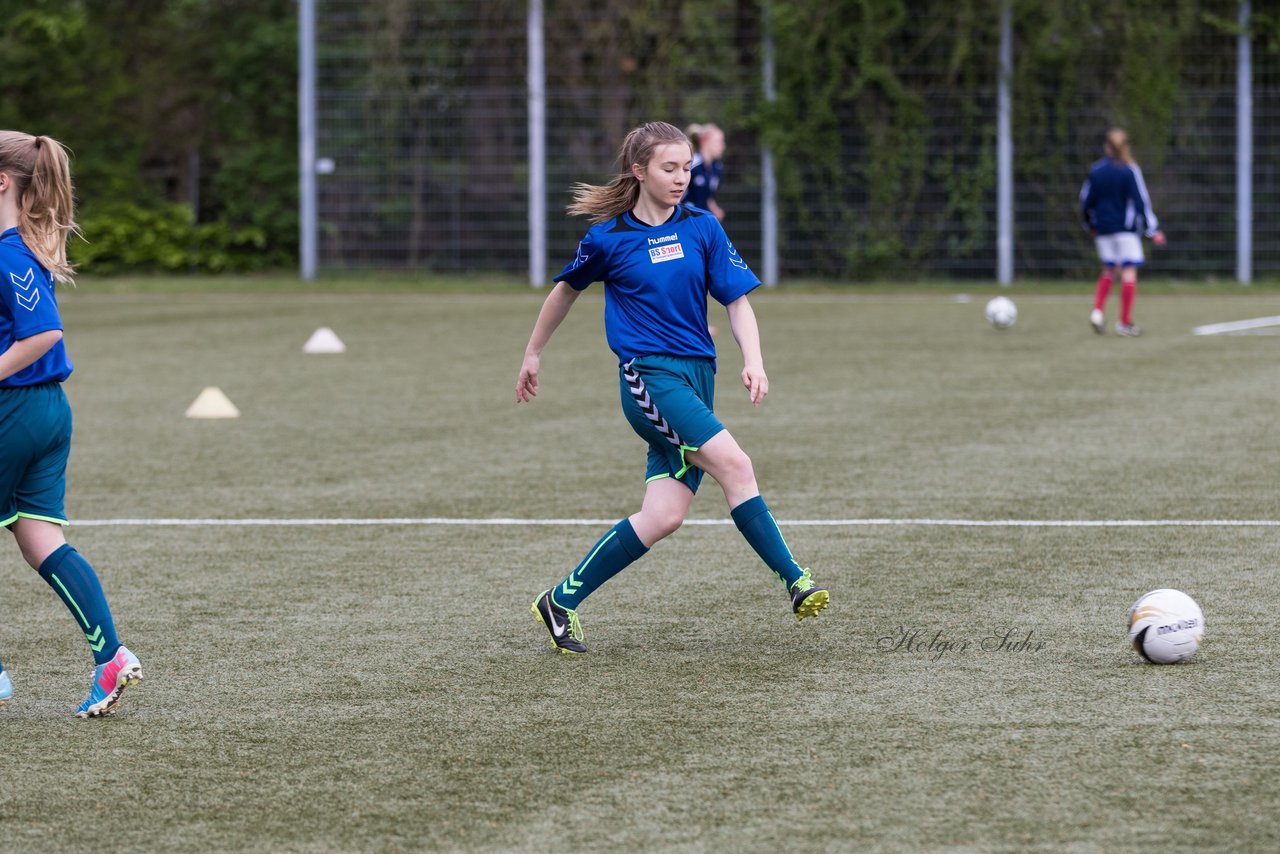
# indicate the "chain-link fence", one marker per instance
pixel 883 129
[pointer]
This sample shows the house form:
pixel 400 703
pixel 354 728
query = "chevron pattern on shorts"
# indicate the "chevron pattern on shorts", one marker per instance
pixel 647 406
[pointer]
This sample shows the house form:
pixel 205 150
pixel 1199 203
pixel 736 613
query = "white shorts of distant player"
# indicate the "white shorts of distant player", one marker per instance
pixel 1122 249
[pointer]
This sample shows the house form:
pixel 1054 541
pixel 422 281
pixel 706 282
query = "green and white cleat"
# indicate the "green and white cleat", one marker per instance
pixel 566 631
pixel 807 598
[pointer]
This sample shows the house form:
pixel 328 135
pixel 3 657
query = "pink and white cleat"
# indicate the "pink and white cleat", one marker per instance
pixel 109 682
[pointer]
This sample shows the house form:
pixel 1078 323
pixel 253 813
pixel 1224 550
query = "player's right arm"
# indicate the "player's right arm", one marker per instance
pixel 1086 205
pixel 554 310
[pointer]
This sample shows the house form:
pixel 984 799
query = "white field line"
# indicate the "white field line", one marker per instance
pixel 826 523
pixel 1236 326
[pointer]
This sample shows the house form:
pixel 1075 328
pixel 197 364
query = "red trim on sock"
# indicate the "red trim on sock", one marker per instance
pixel 1127 292
pixel 1103 289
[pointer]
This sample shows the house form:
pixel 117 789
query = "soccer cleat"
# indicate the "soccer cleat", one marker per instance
pixel 807 598
pixel 566 631
pixel 1127 329
pixel 1098 322
pixel 109 682
pixel 6 688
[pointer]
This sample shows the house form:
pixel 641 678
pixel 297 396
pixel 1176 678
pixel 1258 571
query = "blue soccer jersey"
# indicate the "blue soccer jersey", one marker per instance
pixel 704 180
pixel 657 278
pixel 1114 199
pixel 28 307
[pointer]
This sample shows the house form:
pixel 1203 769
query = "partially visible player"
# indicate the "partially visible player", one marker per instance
pixel 705 173
pixel 707 168
pixel 659 261
pixel 36 218
pixel 1117 211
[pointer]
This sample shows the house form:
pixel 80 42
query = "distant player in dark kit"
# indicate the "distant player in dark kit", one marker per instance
pixel 1117 211
pixel 36 218
pixel 707 168
pixel 659 261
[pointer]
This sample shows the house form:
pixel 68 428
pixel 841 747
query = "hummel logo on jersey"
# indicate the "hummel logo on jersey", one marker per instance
pixel 26 296
pixel 658 241
pixel 579 259
pixel 733 256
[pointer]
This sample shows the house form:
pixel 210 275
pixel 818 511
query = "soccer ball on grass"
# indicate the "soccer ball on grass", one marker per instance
pixel 1165 626
pixel 1001 312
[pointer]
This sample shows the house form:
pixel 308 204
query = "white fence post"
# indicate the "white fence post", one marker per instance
pixel 537 80
pixel 1004 152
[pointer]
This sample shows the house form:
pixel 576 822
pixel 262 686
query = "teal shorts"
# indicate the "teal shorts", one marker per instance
pixel 35 440
pixel 668 402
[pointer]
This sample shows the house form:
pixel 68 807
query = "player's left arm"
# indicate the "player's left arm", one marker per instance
pixel 742 320
pixel 1138 191
pixel 25 352
pixel 28 298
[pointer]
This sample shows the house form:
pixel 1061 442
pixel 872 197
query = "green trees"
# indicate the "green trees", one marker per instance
pixel 181 116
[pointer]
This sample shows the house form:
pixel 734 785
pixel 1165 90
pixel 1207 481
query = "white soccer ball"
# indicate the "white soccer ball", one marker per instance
pixel 1001 312
pixel 1165 626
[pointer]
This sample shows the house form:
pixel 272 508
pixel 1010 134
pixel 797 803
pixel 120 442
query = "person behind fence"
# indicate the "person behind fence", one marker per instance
pixel 659 260
pixel 36 219
pixel 708 166
pixel 1117 210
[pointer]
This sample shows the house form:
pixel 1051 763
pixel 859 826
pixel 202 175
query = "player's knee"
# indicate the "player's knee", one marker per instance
pixel 667 520
pixel 737 469
pixel 33 554
pixel 37 540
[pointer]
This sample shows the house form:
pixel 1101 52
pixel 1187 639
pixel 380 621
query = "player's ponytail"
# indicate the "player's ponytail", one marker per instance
pixel 620 195
pixel 695 132
pixel 40 171
pixel 1117 145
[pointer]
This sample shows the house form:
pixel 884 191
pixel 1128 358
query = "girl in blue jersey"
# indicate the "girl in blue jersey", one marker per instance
pixel 36 218
pixel 1117 211
pixel 659 261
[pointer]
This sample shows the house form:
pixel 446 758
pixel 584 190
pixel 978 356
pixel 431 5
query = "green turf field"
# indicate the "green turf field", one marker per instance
pixel 386 688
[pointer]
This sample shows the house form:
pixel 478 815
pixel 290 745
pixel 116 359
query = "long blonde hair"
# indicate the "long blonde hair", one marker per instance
pixel 1117 145
pixel 603 203
pixel 41 173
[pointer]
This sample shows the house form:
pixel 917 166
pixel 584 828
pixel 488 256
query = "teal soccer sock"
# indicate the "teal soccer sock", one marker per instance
pixel 75 582
pixel 758 526
pixel 614 552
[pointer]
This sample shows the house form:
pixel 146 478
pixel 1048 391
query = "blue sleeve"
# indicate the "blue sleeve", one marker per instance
pixel 28 295
pixel 1086 204
pixel 728 276
pixel 589 265
pixel 1142 200
pixel 698 192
